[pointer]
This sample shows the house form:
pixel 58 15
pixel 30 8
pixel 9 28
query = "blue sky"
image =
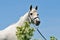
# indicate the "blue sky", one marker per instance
pixel 49 13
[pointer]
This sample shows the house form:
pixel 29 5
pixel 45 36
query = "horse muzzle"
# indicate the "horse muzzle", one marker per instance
pixel 37 23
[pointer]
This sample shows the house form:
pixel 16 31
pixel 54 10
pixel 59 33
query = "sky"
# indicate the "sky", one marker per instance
pixel 49 13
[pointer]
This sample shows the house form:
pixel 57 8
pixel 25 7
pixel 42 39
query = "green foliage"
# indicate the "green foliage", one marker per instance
pixel 53 38
pixel 24 32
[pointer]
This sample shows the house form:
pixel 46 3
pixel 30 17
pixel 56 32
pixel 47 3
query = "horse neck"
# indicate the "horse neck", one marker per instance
pixel 23 19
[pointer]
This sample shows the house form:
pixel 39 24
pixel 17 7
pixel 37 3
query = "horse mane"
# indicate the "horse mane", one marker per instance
pixel 22 19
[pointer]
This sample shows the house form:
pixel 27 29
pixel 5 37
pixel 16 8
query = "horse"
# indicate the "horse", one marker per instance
pixel 31 16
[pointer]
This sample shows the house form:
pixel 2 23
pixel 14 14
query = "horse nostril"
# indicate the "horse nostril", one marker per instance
pixel 37 23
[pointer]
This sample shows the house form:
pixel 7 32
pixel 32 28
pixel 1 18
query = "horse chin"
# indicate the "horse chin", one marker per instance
pixel 37 24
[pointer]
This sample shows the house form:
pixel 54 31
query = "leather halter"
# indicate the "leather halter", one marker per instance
pixel 32 20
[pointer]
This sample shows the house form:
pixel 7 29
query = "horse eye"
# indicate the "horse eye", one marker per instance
pixel 30 13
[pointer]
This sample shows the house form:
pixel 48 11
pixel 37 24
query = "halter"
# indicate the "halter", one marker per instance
pixel 32 20
pixel 35 18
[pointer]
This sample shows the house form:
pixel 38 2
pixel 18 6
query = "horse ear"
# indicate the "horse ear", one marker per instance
pixel 36 7
pixel 31 7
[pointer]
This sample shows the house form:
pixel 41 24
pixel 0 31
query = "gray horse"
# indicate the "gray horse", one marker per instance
pixel 10 32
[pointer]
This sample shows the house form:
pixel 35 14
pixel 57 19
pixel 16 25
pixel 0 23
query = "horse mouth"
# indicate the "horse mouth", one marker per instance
pixel 37 23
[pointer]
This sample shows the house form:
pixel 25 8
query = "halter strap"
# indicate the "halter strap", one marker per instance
pixel 31 18
pixel 35 18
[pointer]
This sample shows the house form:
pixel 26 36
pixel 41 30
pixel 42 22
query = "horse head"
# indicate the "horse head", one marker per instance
pixel 33 16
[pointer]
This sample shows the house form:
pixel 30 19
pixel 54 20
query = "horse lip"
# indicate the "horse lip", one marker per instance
pixel 37 23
